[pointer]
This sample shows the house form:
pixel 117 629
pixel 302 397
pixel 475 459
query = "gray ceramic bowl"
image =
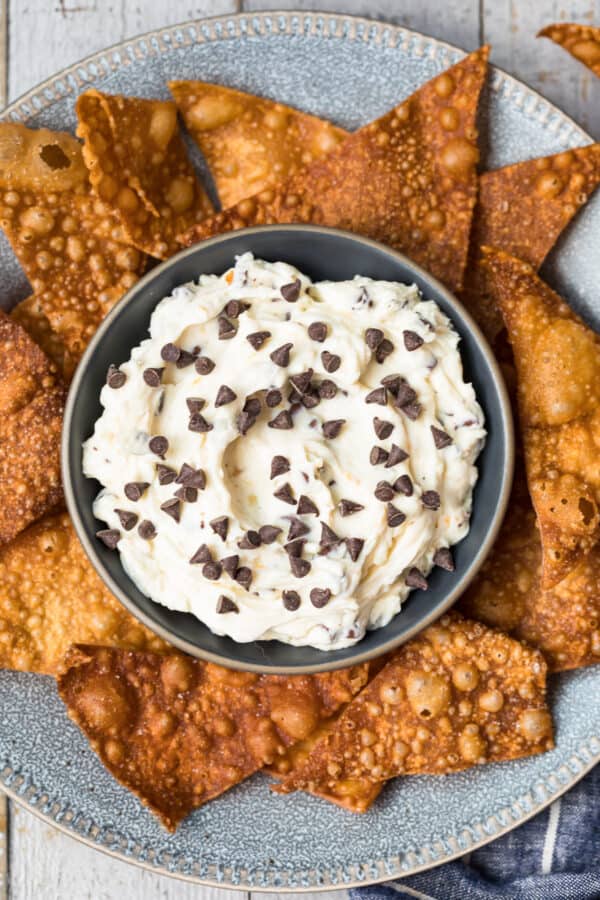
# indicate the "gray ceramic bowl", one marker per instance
pixel 322 253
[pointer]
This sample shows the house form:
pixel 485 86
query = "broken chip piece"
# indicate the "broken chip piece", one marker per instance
pixel 558 364
pixel 250 143
pixel 139 167
pixel 581 41
pixel 32 400
pixel 426 148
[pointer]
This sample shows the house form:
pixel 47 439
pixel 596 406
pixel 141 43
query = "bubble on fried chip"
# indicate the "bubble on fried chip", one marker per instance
pixel 581 41
pixel 250 143
pixel 408 179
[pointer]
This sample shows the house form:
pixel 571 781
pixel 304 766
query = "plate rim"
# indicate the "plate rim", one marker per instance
pixel 20 787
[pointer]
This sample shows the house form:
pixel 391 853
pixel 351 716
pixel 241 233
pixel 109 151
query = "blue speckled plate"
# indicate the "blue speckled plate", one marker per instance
pixel 349 70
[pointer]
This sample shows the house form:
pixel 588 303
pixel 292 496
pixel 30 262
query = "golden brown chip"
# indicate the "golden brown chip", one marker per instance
pixel 31 316
pixel 457 695
pixel 522 209
pixel 178 732
pixel 139 166
pixel 250 143
pixel 32 400
pixel 408 179
pixel 558 364
pixel 581 41
pixel 51 597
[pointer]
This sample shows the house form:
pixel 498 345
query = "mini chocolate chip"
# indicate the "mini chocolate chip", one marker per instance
pixel 297 529
pixel 382 428
pixel 412 340
pixel 191 477
pixel 379 395
pixel 225 395
pixel 166 475
pixel 300 567
pixel 291 600
pixel 331 361
pixel 172 508
pixel 250 541
pixel 320 597
pixel 170 352
pixel 135 489
pixel 397 455
pixel 384 350
pixel 230 564
pixel 252 406
pixel 349 507
pixel 403 485
pixel 392 383
pixel 440 438
pixel 328 536
pixel 159 445
pixel 195 404
pixel 286 494
pixel 307 507
pixel 416 579
pixel 226 329
pixel 269 533
pixel 273 398
pixel 444 559
pixel 220 526
pixel 281 356
pixel 411 411
pixel 187 494
pixel 152 377
pixel 373 338
pixel 115 378
pixel 110 537
pixel 302 381
pixel 234 308
pixel 226 605
pixel 283 421
pixel 394 516
pixel 354 547
pixel 245 421
pixel 126 518
pixel 199 424
pixel 212 570
pixel 257 338
pixel 291 292
pixel 279 465
pixel 332 428
pixel 317 331
pixel 146 530
pixel 378 455
pixel 384 491
pixel 430 499
pixel 243 576
pixel 185 359
pixel 311 398
pixel 405 394
pixel 202 555
pixel 294 548
pixel 204 365
pixel 327 389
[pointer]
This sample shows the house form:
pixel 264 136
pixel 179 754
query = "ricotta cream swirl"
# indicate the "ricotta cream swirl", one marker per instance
pixel 286 459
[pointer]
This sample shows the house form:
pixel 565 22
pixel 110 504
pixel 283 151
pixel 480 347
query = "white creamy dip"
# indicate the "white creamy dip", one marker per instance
pixel 429 431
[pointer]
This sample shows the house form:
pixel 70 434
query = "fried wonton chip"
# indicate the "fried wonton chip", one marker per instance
pixel 522 209
pixel 139 166
pixel 250 143
pixel 558 364
pixel 50 597
pixel 29 313
pixel 32 400
pixel 178 732
pixel 457 695
pixel 581 41
pixel 407 179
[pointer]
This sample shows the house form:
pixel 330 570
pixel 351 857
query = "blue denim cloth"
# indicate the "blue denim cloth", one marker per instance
pixel 554 856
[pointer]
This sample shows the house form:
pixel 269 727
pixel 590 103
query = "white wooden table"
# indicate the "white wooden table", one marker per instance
pixel 38 37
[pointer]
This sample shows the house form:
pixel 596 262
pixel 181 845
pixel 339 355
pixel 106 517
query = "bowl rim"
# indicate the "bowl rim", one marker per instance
pixel 192 649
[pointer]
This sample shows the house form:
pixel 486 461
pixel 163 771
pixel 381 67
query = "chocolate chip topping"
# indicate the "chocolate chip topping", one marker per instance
pixel 195 404
pixel 310 398
pixel 172 508
pixel 297 529
pixel 440 438
pixel 384 350
pixel 212 570
pixel 166 475
pixel 349 507
pixel 373 338
pixel 317 331
pixel 354 547
pixel 412 340
pixel 403 485
pixel 291 600
pixel 444 559
pixel 332 428
pixel 202 555
pixel 243 576
pixel 225 395
pixel 152 377
pixel 187 494
pixel 302 381
pixel 412 411
pixel 273 398
pixel 291 292
pixel 307 507
pixel 286 494
pixel 230 564
pixel 430 499
pixel 204 365
pixel 397 455
pixel 384 491
pixel 282 421
pixel 281 356
pixel 252 406
pixel 379 395
pixel 135 489
pixel 115 378
pixel 294 548
pixel 234 308
pixel 191 477
pixel 110 537
pixel 300 567
pixel 127 518
pixel 226 605
pixel 159 445
pixel 392 383
pixel 328 536
pixel 378 455
pixel 395 516
pixel 320 597
pixel 170 352
pixel 279 465
pixel 331 361
pixel 220 526
pixel 327 389
pixel 404 394
pixel 185 359
pixel 199 424
pixel 250 541
pixel 269 533
pixel 226 329
pixel 257 338
pixel 382 428
pixel 416 579
pixel 146 530
pixel 245 421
